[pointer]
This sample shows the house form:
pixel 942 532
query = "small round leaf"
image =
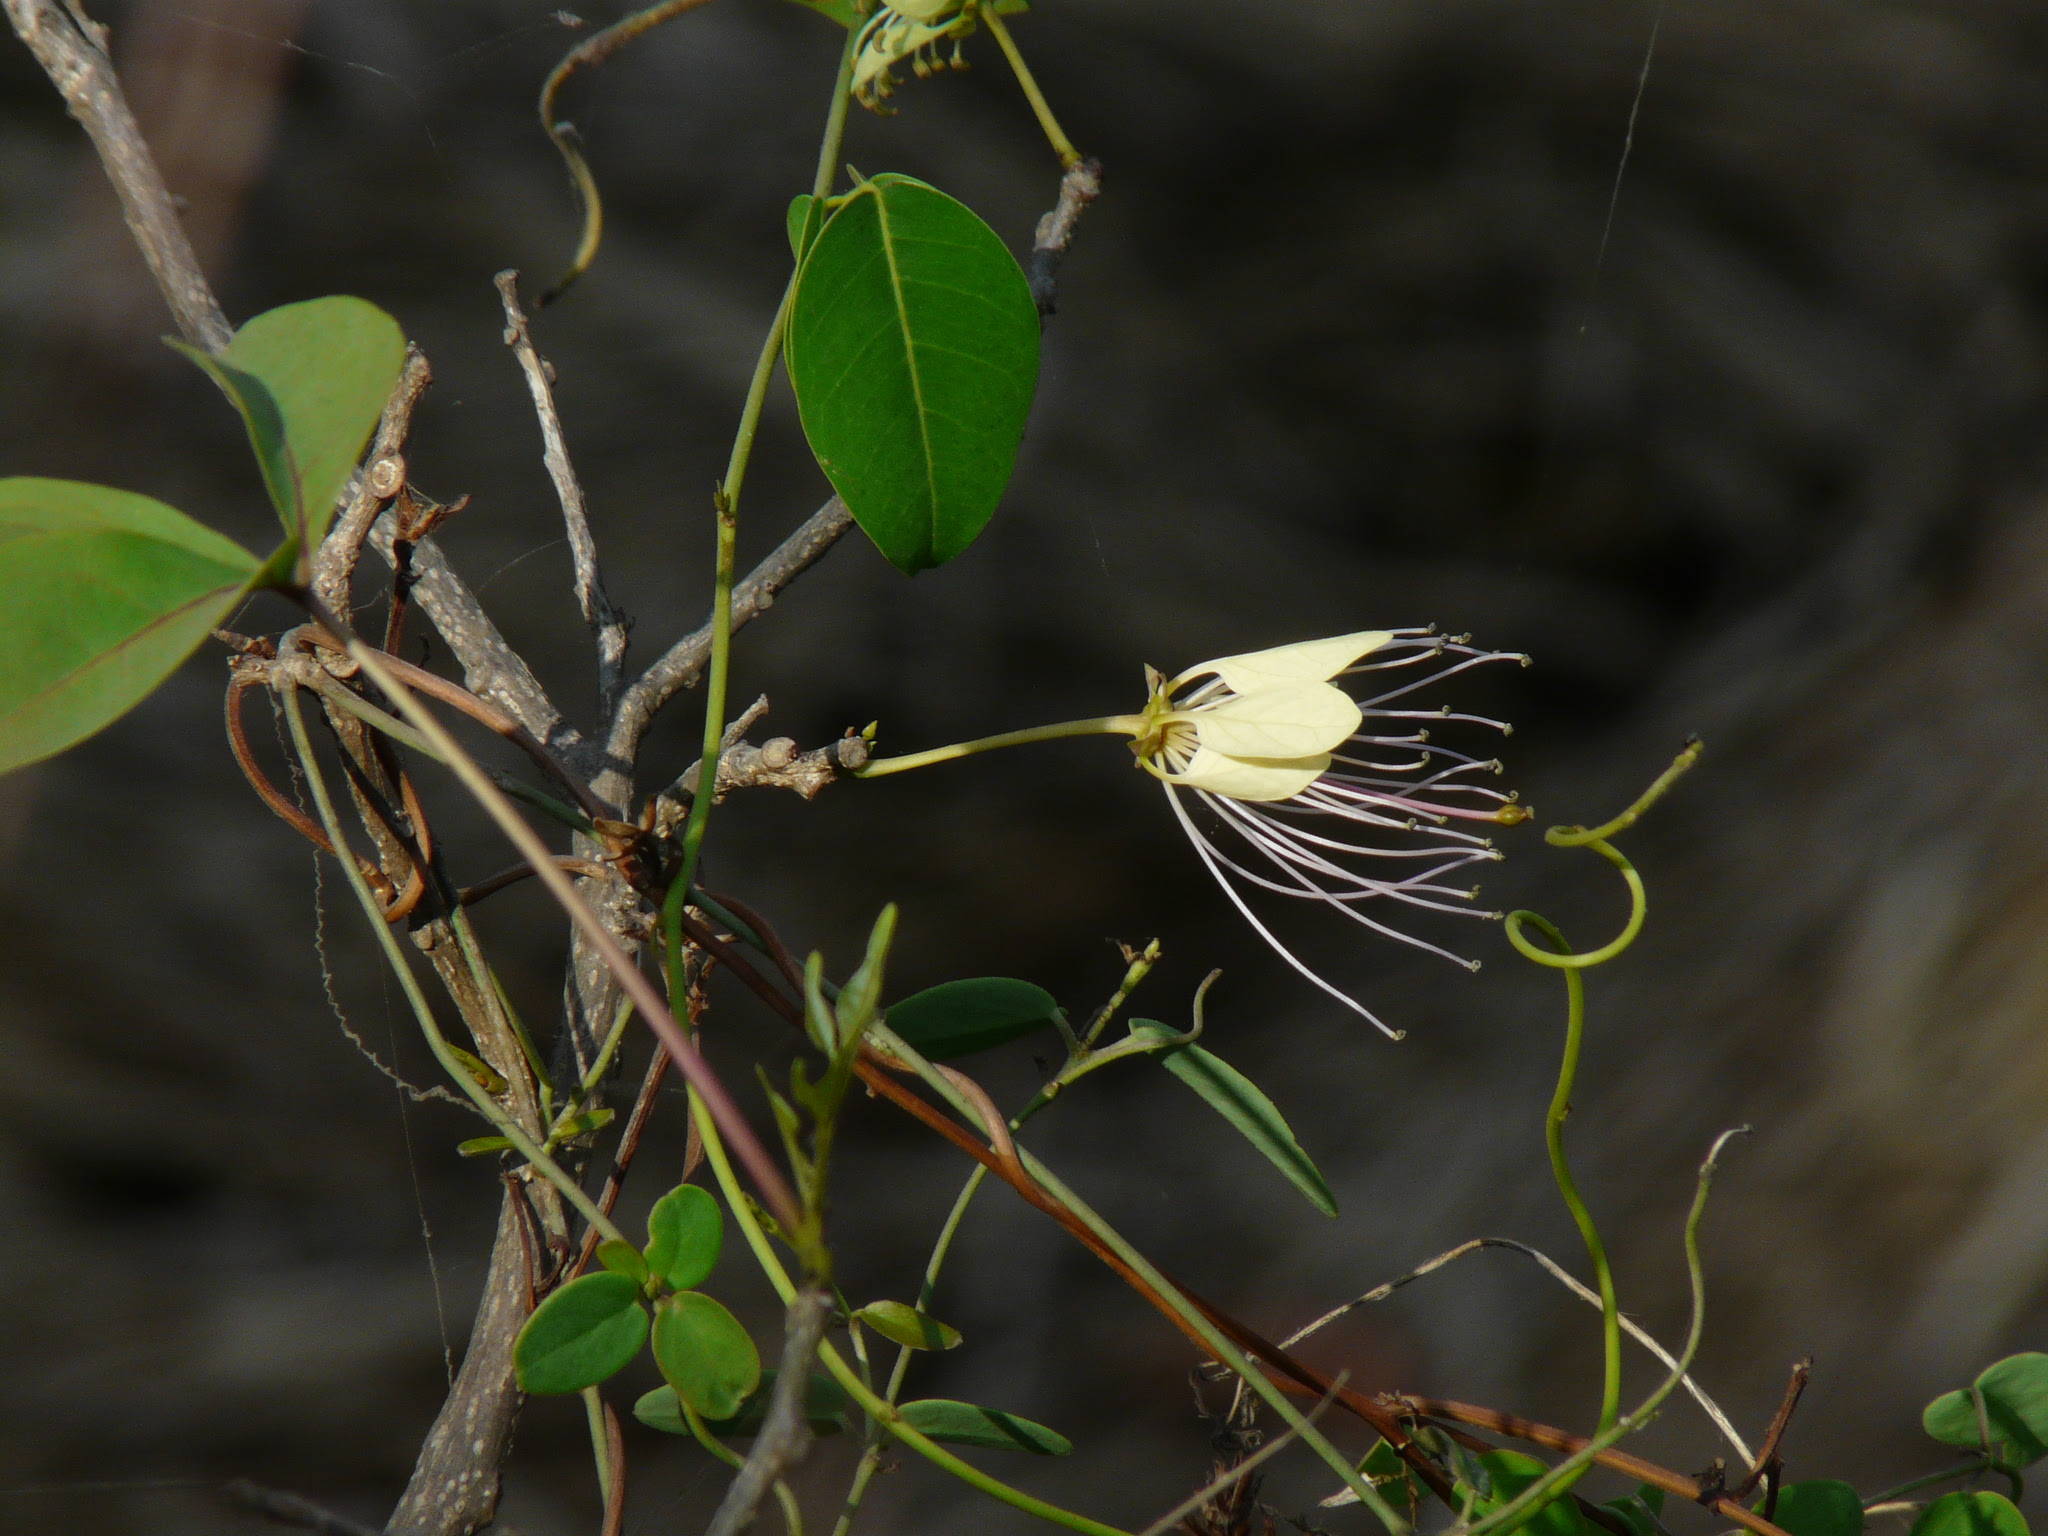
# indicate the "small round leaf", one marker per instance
pixel 1971 1514
pixel 1821 1507
pixel 685 1230
pixel 2015 1392
pixel 587 1332
pixel 705 1354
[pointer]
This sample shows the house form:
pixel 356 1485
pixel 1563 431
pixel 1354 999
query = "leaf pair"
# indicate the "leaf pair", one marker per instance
pixel 912 344
pixel 103 593
pixel 594 1327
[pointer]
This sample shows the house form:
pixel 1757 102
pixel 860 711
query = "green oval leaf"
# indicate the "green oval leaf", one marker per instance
pixel 957 1423
pixel 705 1354
pixel 1233 1095
pixel 1970 1514
pixel 905 1325
pixel 827 1408
pixel 1507 1473
pixel 587 1332
pixel 102 594
pixel 622 1258
pixel 958 1018
pixel 1820 1507
pixel 685 1231
pixel 2015 1411
pixel 310 381
pixel 913 347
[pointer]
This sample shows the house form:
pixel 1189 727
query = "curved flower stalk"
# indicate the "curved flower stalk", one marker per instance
pixel 1342 801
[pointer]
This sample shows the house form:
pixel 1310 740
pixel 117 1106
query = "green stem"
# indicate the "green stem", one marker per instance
pixel 871 1457
pixel 508 1127
pixel 1061 145
pixel 1577 837
pixel 1212 1338
pixel 1968 1469
pixel 883 1412
pixel 1139 969
pixel 1101 725
pixel 593 1409
pixel 727 503
pixel 1572 1468
pixel 1639 905
pixel 1553 1135
pixel 835 118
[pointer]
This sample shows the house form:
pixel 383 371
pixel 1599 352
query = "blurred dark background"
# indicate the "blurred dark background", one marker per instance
pixel 1339 348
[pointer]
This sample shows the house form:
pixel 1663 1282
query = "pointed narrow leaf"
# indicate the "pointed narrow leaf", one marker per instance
pixel 913 347
pixel 2015 1410
pixel 685 1230
pixel 1820 1507
pixel 704 1353
pixel 310 381
pixel 905 1325
pixel 102 594
pixel 956 1423
pixel 1233 1095
pixel 587 1332
pixel 1970 1514
pixel 957 1018
pixel 479 1146
pixel 827 1408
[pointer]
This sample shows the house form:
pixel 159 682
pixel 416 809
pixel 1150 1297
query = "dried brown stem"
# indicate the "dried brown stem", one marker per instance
pixel 1768 1463
pixel 73 54
pixel 622 1159
pixel 608 624
pixel 1563 1440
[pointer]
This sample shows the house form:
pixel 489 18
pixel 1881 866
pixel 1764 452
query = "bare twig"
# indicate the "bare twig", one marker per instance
pixel 290 1509
pixel 622 1157
pixel 1563 1277
pixel 683 663
pixel 1231 1476
pixel 1767 1462
pixel 777 763
pixel 454 1486
pixel 785 1433
pixel 608 624
pixel 492 670
pixel 491 718
pixel 371 491
pixel 1078 188
pixel 73 54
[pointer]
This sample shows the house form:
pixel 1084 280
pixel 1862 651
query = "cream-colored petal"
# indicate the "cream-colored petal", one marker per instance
pixel 1306 661
pixel 1251 778
pixel 923 10
pixel 1291 720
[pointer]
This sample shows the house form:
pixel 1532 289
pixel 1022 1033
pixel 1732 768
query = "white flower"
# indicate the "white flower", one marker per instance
pixel 906 29
pixel 1301 772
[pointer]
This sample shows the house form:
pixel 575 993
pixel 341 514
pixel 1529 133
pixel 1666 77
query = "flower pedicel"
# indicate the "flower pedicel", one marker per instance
pixel 1313 782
